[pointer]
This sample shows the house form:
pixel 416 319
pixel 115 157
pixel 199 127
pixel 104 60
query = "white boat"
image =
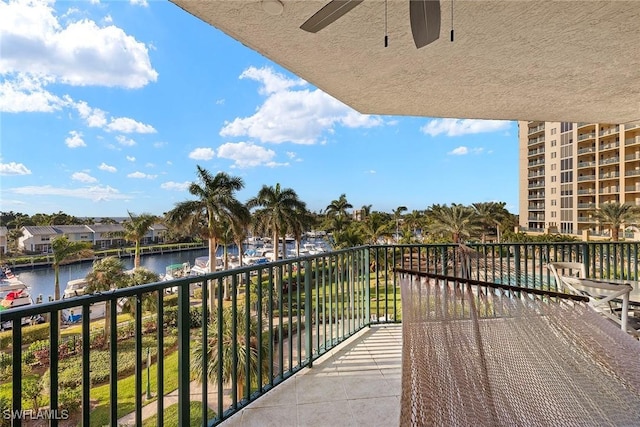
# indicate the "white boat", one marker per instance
pixel 74 288
pixel 177 271
pixel 13 294
pixel 201 265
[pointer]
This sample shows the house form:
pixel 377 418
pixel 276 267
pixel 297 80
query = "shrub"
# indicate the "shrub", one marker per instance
pixel 5 405
pixel 70 399
pixel 32 391
pixel 170 317
pixel 5 360
pixel 30 334
pixel 195 317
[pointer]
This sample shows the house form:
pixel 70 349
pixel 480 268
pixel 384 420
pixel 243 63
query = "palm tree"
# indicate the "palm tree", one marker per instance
pixel 302 221
pixel 107 273
pixel 248 353
pixel 239 228
pixel 141 276
pixel 490 214
pixel 65 251
pixel 135 228
pixel 375 227
pixel 457 220
pixel 216 203
pixel 348 238
pixel 339 207
pixel 414 220
pixel 397 214
pixel 615 215
pixel 280 209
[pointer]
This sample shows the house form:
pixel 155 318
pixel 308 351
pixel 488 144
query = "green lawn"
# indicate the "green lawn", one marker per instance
pixel 126 390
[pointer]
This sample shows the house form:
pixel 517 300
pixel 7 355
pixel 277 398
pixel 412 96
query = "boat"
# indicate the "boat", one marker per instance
pixel 177 271
pixel 13 294
pixel 74 288
pixel 201 265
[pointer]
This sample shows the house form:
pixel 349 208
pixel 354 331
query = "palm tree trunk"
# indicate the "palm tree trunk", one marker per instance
pixel 136 258
pixel 210 283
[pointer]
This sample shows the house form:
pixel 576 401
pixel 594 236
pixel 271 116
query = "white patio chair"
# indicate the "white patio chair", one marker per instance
pixel 570 277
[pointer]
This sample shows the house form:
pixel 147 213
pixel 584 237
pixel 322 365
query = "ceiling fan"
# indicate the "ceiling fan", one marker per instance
pixel 424 16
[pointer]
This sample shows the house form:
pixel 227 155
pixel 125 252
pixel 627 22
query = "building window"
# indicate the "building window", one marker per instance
pixel 553 178
pixel 553 131
pixel 553 155
pixel 553 143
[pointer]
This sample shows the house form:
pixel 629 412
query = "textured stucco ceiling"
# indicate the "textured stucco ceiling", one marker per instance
pixel 555 60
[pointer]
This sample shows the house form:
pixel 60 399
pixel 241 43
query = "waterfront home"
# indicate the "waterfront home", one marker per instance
pixel 37 238
pixel 4 248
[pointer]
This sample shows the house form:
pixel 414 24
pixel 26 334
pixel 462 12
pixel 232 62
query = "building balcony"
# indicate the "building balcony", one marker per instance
pixel 321 335
pixel 586 191
pixel 631 126
pixel 536 196
pixel 586 178
pixel 609 131
pixel 539 184
pixel 591 149
pixel 536 129
pixel 632 141
pixel 609 146
pixel 586 205
pixel 583 124
pixel 589 164
pixel 609 175
pixel 535 163
pixel 609 190
pixel 632 188
pixel 585 136
pixel 536 152
pixel 535 174
pixel 632 172
pixel 632 156
pixel 610 160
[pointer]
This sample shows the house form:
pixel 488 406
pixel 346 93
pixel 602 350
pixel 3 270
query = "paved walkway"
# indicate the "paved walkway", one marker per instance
pixel 357 383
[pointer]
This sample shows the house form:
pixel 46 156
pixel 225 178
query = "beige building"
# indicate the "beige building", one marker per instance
pixel 568 169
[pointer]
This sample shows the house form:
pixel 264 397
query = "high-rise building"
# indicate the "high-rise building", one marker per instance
pixel 568 169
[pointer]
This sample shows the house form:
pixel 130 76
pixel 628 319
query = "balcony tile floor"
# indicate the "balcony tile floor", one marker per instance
pixel 356 384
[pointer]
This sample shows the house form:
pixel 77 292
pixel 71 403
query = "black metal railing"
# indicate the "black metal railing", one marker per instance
pixel 233 335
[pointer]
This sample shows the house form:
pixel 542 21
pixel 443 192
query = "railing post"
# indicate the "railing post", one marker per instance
pixel 308 312
pixel 585 257
pixel 516 260
pixel 367 285
pixel 183 356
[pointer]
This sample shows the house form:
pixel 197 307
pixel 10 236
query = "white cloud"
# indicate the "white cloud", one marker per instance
pixel 127 125
pixel 13 168
pixel 462 150
pixel 83 177
pixel 220 101
pixel 299 116
pixel 371 172
pixel 458 127
pixel 95 193
pixel 246 155
pixel 272 82
pixel 142 3
pixel 123 140
pixel 141 175
pixel 34 40
pixel 24 93
pixel 175 186
pixel 94 117
pixel 131 158
pixel 74 140
pixel 203 153
pixel 107 168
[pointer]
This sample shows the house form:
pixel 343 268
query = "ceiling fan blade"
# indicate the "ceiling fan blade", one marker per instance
pixel 328 14
pixel 425 21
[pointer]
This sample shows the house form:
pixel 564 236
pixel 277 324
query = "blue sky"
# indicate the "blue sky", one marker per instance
pixel 107 107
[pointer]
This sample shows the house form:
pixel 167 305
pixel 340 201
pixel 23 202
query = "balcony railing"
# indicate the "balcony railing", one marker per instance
pixel 634 140
pixel 586 178
pixel 280 317
pixel 536 129
pixel 586 136
pixel 610 146
pixel 610 131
